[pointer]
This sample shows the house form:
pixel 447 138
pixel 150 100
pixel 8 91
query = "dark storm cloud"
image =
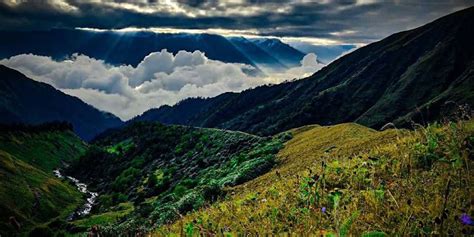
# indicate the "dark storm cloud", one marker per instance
pixel 357 21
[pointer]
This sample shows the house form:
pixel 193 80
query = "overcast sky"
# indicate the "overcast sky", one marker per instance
pixel 318 21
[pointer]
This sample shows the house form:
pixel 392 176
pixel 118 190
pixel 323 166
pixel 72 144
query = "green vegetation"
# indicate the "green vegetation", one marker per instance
pixel 120 211
pixel 44 148
pixel 347 180
pixel 167 171
pixel 30 195
pixel 339 180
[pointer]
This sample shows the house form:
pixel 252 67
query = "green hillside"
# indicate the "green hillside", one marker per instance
pixel 346 180
pixel 29 192
pixel 149 174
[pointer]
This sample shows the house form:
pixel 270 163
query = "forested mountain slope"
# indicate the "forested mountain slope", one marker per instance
pixel 148 174
pixel 24 100
pixel 413 75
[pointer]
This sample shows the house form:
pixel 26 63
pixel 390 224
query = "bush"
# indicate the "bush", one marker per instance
pixel 212 191
pixel 253 168
pixel 152 181
pixel 145 209
pixel 189 202
pixel 123 181
pixel 41 231
pixel 105 201
pixel 179 190
pixel 120 197
pixel 165 214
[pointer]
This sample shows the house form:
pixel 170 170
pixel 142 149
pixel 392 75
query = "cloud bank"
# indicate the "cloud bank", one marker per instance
pixel 160 78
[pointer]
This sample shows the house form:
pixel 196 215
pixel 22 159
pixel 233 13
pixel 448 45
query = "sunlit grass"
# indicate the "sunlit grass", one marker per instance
pixel 351 180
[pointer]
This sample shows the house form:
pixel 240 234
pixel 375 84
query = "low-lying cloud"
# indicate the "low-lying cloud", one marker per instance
pixel 160 78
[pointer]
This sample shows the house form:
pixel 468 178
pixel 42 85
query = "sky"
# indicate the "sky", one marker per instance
pixel 316 21
pixel 166 78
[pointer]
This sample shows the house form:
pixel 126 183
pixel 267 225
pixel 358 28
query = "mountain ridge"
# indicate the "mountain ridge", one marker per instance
pixel 25 100
pixel 129 48
pixel 397 79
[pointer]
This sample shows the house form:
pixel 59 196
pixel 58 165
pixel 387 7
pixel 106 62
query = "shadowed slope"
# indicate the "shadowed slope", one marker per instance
pixel 29 192
pixel 409 75
pixel 24 100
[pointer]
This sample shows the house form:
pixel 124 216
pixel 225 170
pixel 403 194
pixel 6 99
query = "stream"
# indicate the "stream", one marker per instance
pixel 82 187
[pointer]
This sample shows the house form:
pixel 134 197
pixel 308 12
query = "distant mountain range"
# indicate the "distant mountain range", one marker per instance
pixel 23 100
pixel 131 47
pixel 325 53
pixel 411 75
pixel 268 53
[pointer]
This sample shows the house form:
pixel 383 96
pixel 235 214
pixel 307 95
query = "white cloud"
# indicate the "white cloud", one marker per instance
pixel 309 65
pixel 160 78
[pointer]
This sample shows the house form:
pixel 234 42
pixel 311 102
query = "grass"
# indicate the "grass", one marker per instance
pixel 29 192
pixel 44 150
pixel 121 210
pixel 351 180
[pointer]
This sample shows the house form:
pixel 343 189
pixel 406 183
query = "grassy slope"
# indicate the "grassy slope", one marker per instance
pixel 28 189
pixel 393 181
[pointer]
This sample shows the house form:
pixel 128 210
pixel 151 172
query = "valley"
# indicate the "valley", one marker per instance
pixel 332 180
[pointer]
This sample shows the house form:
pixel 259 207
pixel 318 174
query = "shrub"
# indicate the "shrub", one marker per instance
pixel 212 191
pixel 123 181
pixel 189 202
pixel 121 198
pixel 41 231
pixel 145 209
pixel 253 168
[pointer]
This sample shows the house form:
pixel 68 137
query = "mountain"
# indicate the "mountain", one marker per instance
pixel 23 100
pixel 268 53
pixel 131 47
pixel 412 75
pixel 284 53
pixel 30 193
